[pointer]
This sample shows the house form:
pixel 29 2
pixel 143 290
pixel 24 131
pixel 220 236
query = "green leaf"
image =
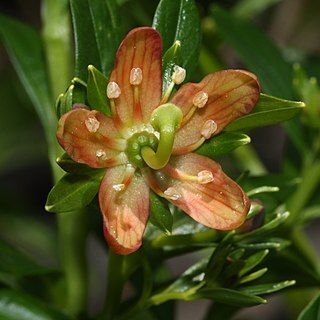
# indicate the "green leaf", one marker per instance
pixel 262 189
pixel 267 243
pixel 16 263
pixel 278 219
pixel 223 143
pixel 86 48
pixel 26 51
pixel 73 192
pixel 254 275
pixel 96 91
pixel 17 305
pixel 268 111
pixel 253 261
pixel 267 288
pixel 228 296
pixel 70 166
pixel 312 310
pixel 257 51
pixel 249 8
pixel 160 215
pixel 179 20
pixel 107 31
pixel 171 58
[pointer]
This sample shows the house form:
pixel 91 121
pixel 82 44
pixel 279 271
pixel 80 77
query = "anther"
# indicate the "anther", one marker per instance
pixel 113 90
pixel 171 194
pixel 205 177
pixel 179 74
pixel 200 99
pixel 92 124
pixel 208 129
pixel 135 76
pixel 100 153
pixel 119 187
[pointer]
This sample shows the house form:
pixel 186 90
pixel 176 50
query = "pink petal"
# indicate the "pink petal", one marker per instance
pixel 231 94
pixel 141 48
pixel 125 213
pixel 92 148
pixel 220 204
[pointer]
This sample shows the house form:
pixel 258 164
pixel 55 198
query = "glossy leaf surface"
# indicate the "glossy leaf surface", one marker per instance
pixel 179 20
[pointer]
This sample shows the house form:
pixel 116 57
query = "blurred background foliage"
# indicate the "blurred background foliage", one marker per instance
pixel 276 39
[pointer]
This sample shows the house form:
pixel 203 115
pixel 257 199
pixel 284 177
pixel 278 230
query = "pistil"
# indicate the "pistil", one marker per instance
pixel 165 119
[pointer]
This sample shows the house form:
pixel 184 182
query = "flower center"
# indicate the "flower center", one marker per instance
pixel 138 141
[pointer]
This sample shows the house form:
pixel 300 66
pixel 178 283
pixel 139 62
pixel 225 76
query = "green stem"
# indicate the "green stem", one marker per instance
pixel 249 160
pixel 71 226
pixel 310 180
pixel 116 281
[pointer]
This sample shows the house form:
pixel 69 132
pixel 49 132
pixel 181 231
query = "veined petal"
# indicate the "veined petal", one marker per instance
pixel 231 94
pixel 219 204
pixel 141 48
pixel 90 137
pixel 125 212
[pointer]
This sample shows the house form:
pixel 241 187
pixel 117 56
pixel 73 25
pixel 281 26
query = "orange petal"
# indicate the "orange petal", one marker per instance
pixel 90 137
pixel 220 204
pixel 141 48
pixel 231 94
pixel 125 213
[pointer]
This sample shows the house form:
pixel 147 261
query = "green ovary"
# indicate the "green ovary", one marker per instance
pixel 134 145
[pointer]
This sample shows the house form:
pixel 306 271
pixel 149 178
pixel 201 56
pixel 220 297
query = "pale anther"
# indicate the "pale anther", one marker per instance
pixel 200 99
pixel 135 76
pixel 118 187
pixel 92 124
pixel 205 176
pixel 179 74
pixel 208 129
pixel 100 153
pixel 113 90
pixel 172 194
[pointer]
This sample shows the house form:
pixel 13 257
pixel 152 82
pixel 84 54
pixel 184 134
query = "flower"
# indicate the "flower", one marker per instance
pixel 147 143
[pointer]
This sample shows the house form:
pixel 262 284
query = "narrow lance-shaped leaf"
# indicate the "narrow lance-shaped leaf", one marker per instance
pixel 179 20
pixel 86 49
pixel 160 216
pixel 73 192
pixel 16 263
pixel 267 287
pixel 223 143
pixel 257 51
pixel 228 296
pixel 171 58
pixel 268 111
pixel 107 31
pixel 20 39
pixel 17 305
pixel 96 91
pixel 312 310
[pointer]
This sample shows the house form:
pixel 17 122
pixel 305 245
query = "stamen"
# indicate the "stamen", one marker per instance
pixel 205 176
pixel 189 148
pixel 127 178
pixel 171 194
pixel 200 99
pixel 208 129
pixel 92 124
pixel 135 80
pixel 118 187
pixel 179 74
pixel 119 159
pixel 100 153
pixel 113 90
pixel 135 76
